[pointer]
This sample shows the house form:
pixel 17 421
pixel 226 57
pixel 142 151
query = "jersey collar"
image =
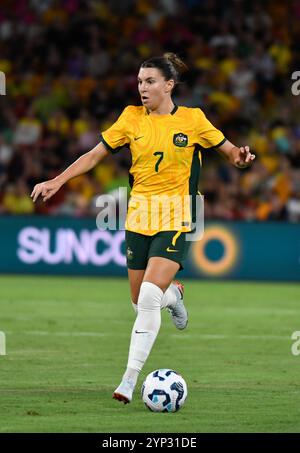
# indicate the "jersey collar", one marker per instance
pixel 175 108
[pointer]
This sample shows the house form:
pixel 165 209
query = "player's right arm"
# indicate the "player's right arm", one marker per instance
pixel 82 165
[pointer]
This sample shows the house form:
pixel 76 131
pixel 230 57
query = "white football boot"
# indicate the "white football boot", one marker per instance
pixel 124 391
pixel 178 310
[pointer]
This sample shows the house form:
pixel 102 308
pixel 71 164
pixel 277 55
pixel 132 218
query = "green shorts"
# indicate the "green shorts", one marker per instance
pixel 166 244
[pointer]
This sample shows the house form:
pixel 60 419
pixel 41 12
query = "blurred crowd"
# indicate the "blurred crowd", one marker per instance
pixel 71 68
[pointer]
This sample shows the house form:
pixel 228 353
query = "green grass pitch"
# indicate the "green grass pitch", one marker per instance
pixel 67 344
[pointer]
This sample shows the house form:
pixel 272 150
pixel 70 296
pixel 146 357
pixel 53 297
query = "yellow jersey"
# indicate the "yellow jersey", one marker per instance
pixel 166 159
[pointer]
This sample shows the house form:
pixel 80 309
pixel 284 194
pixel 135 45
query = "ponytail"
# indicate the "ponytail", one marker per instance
pixel 178 64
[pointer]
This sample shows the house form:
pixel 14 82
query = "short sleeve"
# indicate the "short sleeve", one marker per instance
pixel 208 136
pixel 116 136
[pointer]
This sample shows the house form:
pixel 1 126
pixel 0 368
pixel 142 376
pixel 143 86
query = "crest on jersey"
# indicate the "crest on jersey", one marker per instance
pixel 180 139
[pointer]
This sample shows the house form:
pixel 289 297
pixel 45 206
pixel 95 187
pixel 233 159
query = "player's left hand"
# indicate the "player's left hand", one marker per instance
pixel 244 158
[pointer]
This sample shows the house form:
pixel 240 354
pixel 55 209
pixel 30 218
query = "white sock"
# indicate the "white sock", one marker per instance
pixel 170 297
pixel 131 374
pixel 134 306
pixel 145 328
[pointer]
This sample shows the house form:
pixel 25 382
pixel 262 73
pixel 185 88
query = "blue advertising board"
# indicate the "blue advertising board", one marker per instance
pixel 68 246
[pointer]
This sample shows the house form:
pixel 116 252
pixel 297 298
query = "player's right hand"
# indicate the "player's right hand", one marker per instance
pixel 46 189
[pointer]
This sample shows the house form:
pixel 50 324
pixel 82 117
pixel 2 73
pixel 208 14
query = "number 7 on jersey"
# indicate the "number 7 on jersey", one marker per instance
pixel 161 156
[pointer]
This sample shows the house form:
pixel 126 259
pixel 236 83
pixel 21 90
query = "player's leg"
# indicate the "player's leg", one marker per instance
pixel 137 249
pixel 135 280
pixel 137 246
pixel 173 293
pixel 158 277
pixel 160 271
pixel 166 251
pixel 173 246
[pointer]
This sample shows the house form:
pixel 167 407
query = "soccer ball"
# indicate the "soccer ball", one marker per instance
pixel 164 390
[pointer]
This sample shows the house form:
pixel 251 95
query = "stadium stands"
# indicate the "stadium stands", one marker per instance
pixel 71 68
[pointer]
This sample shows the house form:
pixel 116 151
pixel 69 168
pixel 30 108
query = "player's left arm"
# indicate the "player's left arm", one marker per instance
pixel 239 157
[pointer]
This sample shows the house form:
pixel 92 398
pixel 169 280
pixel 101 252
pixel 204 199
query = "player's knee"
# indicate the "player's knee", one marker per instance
pixel 150 297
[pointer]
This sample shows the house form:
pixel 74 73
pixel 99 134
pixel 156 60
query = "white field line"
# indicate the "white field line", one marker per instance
pixel 243 308
pixel 230 337
pixel 181 336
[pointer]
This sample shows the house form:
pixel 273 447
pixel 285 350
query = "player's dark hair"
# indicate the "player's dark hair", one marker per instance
pixel 170 65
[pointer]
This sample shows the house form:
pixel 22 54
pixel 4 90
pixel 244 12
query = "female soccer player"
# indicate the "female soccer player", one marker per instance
pixel 164 141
